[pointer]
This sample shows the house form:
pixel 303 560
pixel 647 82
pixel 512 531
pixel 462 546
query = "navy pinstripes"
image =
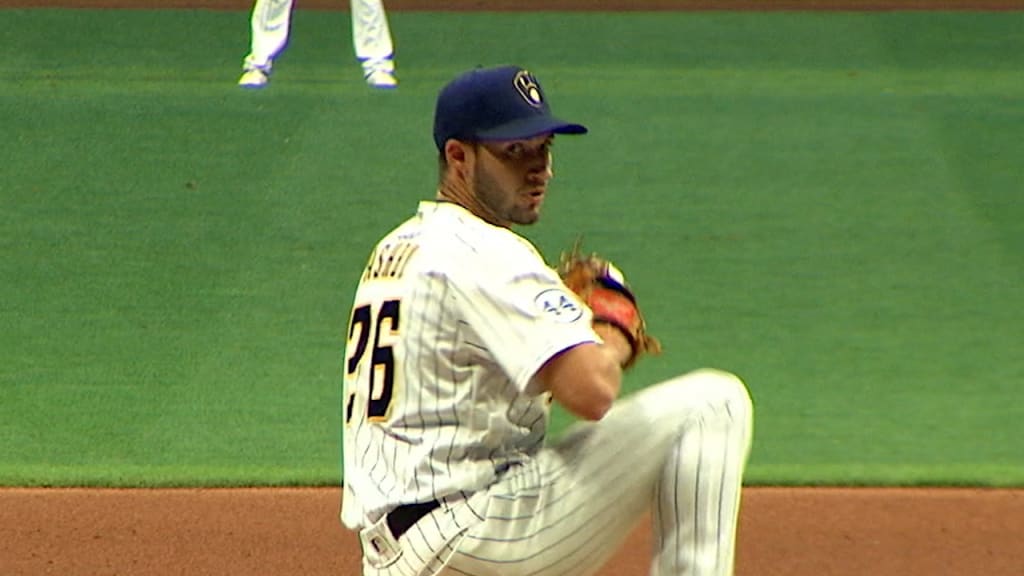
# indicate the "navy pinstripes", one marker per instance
pixel 559 532
pixel 461 417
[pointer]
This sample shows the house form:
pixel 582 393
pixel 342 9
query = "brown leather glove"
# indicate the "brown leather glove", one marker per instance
pixel 603 288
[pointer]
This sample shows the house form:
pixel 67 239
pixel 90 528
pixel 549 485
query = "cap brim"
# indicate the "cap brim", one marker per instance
pixel 531 127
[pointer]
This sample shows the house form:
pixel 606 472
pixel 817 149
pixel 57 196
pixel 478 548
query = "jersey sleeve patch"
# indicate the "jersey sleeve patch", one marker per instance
pixel 558 305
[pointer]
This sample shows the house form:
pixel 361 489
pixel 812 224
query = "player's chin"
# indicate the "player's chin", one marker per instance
pixel 527 215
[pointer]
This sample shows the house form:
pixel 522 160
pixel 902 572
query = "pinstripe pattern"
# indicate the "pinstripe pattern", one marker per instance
pixel 463 427
pixel 464 354
pixel 678 447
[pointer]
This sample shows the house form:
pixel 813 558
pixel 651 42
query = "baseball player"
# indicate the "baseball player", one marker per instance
pixel 271 22
pixel 459 339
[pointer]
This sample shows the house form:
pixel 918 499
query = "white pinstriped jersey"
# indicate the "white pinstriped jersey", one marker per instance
pixel 443 343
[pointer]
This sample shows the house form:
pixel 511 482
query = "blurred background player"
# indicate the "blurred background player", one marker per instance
pixel 371 36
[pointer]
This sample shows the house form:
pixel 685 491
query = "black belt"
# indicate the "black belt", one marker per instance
pixel 402 518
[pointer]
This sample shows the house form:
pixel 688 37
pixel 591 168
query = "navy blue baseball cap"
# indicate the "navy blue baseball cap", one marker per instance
pixel 503 103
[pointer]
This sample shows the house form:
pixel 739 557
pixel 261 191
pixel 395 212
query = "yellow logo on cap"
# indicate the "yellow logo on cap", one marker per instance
pixel 528 88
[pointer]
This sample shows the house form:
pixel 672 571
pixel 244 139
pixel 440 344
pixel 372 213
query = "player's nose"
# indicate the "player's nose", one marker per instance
pixel 544 170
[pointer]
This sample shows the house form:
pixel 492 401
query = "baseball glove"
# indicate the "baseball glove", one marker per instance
pixel 603 288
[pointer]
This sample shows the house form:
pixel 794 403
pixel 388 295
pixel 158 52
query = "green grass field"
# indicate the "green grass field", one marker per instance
pixel 828 204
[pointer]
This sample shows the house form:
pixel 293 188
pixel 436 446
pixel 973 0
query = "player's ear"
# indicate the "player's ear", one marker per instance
pixel 456 150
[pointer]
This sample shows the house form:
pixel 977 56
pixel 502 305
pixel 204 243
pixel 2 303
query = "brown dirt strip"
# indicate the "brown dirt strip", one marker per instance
pixel 295 531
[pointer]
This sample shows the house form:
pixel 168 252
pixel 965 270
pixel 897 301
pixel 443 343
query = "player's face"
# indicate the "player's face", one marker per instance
pixel 511 177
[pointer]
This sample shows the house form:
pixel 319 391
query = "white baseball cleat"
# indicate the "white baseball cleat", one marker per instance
pixel 381 79
pixel 253 78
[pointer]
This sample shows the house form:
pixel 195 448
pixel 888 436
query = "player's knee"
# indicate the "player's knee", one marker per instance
pixel 715 391
pixel 706 390
pixel 725 387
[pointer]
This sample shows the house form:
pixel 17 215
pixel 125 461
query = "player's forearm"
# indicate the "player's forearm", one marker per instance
pixel 584 379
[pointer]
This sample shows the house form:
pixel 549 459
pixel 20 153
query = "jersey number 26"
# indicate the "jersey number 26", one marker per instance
pixel 380 378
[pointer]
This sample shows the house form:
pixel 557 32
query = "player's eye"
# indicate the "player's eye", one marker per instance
pixel 520 151
pixel 515 151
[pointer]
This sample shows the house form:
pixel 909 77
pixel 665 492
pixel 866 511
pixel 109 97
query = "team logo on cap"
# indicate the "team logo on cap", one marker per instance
pixel 529 88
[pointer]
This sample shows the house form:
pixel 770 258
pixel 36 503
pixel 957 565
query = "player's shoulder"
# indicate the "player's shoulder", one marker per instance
pixel 445 240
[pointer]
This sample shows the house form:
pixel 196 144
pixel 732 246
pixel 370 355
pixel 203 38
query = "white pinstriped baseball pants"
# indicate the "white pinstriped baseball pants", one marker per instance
pixel 677 449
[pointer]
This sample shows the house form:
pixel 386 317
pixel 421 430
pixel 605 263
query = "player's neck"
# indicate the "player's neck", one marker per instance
pixel 458 192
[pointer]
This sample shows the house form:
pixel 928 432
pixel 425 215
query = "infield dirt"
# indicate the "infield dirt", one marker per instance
pixel 295 531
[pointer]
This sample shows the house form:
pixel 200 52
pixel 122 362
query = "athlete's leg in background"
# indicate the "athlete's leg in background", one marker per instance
pixel 371 36
pixel 271 20
pixel 677 449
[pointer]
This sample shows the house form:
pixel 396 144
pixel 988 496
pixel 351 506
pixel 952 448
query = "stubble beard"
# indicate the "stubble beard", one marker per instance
pixel 501 204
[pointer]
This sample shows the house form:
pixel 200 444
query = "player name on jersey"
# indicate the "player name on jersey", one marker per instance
pixel 388 261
